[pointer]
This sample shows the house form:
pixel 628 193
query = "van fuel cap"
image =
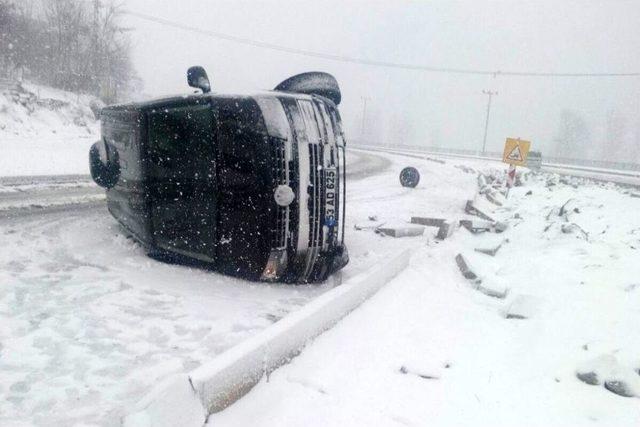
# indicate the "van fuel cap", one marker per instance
pixel 283 195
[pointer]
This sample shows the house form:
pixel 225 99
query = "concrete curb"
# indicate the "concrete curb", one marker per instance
pixel 216 385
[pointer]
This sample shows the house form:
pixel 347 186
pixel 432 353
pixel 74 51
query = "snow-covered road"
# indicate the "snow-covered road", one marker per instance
pixel 88 323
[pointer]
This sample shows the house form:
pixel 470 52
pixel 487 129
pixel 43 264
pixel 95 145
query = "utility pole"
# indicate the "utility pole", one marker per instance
pixel 364 115
pixel 486 123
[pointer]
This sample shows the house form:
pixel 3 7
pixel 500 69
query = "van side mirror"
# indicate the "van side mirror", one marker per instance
pixel 197 77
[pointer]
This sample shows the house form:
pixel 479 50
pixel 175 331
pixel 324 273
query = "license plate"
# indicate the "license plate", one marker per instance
pixel 330 205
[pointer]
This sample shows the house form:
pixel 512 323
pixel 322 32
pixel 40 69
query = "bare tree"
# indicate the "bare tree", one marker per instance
pixel 74 45
pixel 617 145
pixel 573 136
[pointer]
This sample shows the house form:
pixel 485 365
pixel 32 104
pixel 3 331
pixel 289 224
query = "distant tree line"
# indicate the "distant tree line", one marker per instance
pixel 617 140
pixel 79 46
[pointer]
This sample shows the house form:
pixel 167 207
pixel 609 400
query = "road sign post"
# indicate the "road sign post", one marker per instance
pixel 515 154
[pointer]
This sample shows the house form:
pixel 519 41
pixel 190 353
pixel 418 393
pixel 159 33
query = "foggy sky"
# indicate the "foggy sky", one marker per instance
pixel 436 109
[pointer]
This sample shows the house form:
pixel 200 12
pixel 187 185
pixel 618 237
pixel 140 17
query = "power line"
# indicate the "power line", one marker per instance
pixel 361 61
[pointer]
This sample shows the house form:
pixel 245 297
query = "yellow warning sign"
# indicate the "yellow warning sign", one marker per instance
pixel 516 151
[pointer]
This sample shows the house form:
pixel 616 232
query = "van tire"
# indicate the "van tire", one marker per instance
pixel 409 177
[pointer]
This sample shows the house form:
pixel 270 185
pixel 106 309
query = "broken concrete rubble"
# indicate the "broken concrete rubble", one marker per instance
pixel 368 226
pixel 464 267
pixel 407 231
pixel 572 228
pixel 429 222
pixel 445 228
pixel 590 377
pixel 522 307
pixel 472 208
pixel 495 198
pixel 608 371
pixel 620 388
pixel 405 370
pixel 475 226
pixel 489 251
pixel 491 289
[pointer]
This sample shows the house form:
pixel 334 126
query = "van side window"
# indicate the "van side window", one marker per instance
pixel 240 138
pixel 121 140
pixel 171 130
pixel 180 139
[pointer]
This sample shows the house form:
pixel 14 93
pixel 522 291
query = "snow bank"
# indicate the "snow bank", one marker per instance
pixel 45 131
pixel 173 403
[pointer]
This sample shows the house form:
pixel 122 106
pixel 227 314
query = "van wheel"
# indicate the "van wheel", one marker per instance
pixel 409 177
pixel 105 175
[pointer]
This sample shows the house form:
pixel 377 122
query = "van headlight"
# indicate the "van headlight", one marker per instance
pixel 275 265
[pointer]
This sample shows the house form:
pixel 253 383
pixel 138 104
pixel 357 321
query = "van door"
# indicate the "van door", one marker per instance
pixel 121 132
pixel 182 185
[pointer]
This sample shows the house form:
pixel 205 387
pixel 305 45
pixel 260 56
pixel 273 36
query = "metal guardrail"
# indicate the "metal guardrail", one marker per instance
pixel 623 177
pixel 626 166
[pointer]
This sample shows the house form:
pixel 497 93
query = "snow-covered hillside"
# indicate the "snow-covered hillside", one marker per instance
pixel 45 130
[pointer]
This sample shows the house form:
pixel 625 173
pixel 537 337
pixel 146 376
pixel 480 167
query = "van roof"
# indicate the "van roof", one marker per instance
pixel 194 99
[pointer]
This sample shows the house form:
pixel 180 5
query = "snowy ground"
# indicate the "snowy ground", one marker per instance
pixel 88 323
pixel 48 131
pixel 431 349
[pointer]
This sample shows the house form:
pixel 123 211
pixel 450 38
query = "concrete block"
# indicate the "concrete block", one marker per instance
pixel 621 388
pixel 408 231
pixel 489 251
pixel 405 370
pixel 493 289
pixel 495 198
pixel 465 268
pixel 482 183
pixel 590 377
pixel 368 225
pixel 523 307
pixel 476 226
pixel 445 230
pixel 574 228
pixel 596 370
pixel 472 209
pixel 500 227
pixel 429 222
